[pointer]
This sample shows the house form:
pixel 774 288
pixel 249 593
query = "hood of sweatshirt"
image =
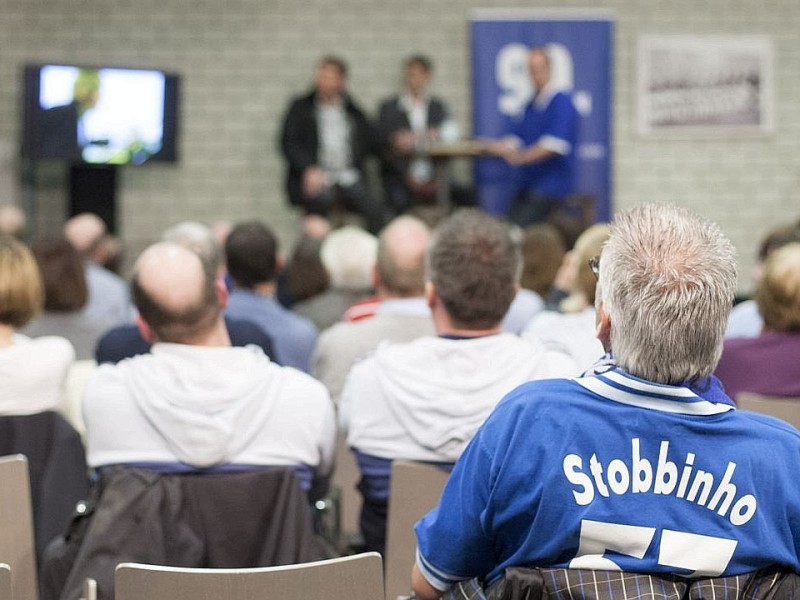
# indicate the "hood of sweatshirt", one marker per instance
pixel 202 399
pixel 441 390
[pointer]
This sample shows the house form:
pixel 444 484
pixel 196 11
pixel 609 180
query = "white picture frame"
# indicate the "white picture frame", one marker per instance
pixel 705 86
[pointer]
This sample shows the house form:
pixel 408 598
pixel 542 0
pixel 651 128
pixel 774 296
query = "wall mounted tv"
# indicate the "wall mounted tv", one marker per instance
pixel 104 116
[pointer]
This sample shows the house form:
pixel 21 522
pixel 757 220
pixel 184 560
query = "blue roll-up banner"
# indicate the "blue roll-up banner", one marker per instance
pixel 580 49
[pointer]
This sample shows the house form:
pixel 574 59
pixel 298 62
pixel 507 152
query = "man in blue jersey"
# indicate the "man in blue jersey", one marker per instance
pixel 542 145
pixel 644 464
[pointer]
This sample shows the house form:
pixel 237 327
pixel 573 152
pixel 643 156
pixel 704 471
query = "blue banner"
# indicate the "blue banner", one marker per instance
pixel 581 63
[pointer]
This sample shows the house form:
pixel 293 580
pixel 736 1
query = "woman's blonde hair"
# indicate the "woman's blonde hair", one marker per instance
pixel 21 290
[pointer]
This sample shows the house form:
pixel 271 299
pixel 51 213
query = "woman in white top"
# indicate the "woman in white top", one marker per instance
pixel 32 372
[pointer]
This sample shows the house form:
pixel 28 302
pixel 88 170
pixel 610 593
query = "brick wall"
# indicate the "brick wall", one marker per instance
pixel 241 60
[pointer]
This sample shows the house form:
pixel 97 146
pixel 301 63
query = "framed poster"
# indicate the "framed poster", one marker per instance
pixel 702 86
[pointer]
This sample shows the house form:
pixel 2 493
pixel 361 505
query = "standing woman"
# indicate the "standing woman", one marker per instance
pixel 32 371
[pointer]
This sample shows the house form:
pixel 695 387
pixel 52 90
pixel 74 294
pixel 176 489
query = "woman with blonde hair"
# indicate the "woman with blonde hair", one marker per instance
pixel 32 371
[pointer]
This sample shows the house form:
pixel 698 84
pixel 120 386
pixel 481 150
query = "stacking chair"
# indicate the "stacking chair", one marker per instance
pixel 787 409
pixel 5 582
pixel 416 488
pixel 16 529
pixel 358 577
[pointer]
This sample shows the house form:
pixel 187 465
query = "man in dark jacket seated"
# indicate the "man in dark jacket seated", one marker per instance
pixel 643 464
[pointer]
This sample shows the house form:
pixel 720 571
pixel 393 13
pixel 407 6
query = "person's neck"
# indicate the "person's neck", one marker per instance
pixel 6 335
pixel 466 333
pixel 329 101
pixel 266 289
pixel 215 338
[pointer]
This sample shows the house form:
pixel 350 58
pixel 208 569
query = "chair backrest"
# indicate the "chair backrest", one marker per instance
pixel 358 577
pixel 5 582
pixel 415 490
pixel 345 477
pixel 787 409
pixel 16 527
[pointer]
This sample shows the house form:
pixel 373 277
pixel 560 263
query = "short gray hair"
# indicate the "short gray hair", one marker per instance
pixel 667 282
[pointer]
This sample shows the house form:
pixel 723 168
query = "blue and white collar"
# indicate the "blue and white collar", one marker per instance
pixel 703 398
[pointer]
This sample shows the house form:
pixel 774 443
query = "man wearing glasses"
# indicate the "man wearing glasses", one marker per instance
pixel 644 465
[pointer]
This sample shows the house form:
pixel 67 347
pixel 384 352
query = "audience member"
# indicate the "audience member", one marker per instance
pixel 325 139
pixel 12 221
pixel 745 319
pixel 304 275
pixel 423 400
pixel 251 252
pixel 348 255
pixel 32 371
pixel 401 315
pixel 126 341
pixel 195 401
pixel 65 296
pixel 575 333
pixel 770 363
pixel 642 466
pixel 108 293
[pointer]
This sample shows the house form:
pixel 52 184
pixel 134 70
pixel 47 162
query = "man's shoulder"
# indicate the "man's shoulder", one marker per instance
pixel 99 275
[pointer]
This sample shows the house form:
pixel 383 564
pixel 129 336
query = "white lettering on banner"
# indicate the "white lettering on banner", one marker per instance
pixel 635 475
pixel 703 555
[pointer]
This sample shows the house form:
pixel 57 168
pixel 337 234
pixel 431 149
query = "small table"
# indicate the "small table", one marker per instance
pixel 441 154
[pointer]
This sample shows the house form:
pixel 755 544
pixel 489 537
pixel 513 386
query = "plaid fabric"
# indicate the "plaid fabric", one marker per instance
pixel 583 584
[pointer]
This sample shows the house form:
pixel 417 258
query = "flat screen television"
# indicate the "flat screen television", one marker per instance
pixel 104 116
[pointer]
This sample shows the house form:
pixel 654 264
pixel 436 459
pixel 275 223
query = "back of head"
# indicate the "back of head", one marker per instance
pixel 475 266
pixel 21 294
pixel 174 293
pixel 542 252
pixel 12 220
pixel 198 238
pixel 349 255
pixel 63 274
pixel 777 238
pixel 589 244
pixel 251 254
pixel 85 231
pixel 401 257
pixel 667 282
pixel 778 292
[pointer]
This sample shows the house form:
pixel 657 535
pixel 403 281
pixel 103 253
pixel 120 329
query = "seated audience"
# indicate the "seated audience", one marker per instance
pixel 65 296
pixel 348 255
pixel 251 253
pixel 542 252
pixel 401 315
pixel 109 297
pixel 745 319
pixel 125 341
pixel 304 275
pixel 423 400
pixel 574 333
pixel 644 465
pixel 32 371
pixel 770 363
pixel 195 402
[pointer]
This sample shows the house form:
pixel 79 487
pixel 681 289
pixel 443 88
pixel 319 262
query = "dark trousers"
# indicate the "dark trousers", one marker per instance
pixel 531 207
pixel 356 198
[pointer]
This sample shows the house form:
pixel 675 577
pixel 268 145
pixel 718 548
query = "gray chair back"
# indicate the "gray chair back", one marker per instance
pixel 358 577
pixel 787 409
pixel 415 490
pixel 16 527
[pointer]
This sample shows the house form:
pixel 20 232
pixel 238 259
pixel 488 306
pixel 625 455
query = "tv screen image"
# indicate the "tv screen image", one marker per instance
pixel 111 116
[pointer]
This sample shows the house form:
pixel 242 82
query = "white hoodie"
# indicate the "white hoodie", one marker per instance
pixel 424 400
pixel 206 406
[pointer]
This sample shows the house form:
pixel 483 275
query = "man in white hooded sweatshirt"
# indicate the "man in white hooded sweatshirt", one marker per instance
pixel 425 399
pixel 196 402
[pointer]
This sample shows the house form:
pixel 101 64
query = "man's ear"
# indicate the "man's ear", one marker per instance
pixel 280 263
pixel 603 322
pixel 145 330
pixel 221 291
pixel 431 295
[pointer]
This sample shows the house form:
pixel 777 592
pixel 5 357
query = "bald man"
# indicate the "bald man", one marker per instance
pixel 109 298
pixel 402 314
pixel 196 401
